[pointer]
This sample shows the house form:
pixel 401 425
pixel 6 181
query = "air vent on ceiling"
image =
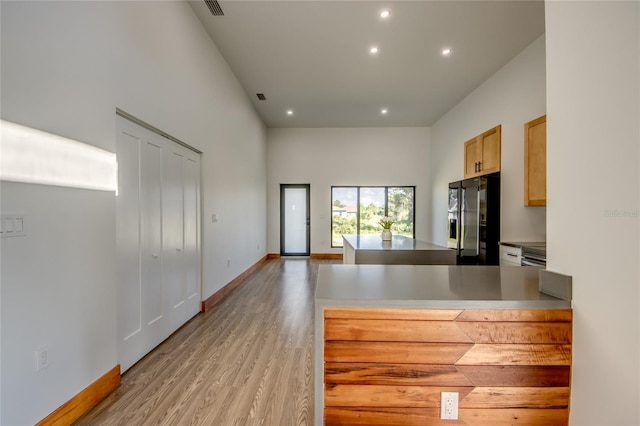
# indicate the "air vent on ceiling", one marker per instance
pixel 261 96
pixel 214 7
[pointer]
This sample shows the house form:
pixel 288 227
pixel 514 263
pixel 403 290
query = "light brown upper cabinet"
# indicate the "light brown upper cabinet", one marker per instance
pixel 535 162
pixel 482 153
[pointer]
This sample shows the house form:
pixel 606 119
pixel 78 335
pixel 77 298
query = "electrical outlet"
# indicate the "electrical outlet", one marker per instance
pixel 42 358
pixel 449 405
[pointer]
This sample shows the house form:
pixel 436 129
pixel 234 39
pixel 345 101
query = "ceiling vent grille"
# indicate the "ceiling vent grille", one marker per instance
pixel 261 96
pixel 214 7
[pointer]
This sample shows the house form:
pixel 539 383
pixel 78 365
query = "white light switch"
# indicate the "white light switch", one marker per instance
pixel 215 217
pixel 12 225
pixel 7 225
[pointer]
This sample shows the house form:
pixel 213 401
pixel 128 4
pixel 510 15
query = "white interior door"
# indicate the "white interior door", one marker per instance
pixel 158 227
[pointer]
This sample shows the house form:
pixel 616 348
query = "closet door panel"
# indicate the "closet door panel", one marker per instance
pixel 192 232
pixel 151 241
pixel 128 237
pixel 173 224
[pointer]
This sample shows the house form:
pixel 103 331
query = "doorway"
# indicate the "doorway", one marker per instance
pixel 294 220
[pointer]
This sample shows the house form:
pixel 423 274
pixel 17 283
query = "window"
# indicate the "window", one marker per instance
pixel 357 210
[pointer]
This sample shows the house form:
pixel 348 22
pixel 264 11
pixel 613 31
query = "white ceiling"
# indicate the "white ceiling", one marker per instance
pixel 313 56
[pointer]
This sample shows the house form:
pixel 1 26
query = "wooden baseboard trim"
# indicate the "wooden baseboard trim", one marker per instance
pixel 73 409
pixel 216 297
pixel 330 256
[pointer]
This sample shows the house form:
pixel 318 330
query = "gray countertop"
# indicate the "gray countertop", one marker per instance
pixel 433 286
pixel 398 242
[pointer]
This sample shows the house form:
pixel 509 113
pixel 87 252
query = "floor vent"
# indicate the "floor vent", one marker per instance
pixel 261 96
pixel 214 7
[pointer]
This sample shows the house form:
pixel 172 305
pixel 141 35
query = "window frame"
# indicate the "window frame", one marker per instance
pixel 386 206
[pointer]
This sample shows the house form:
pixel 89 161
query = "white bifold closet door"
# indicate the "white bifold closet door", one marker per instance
pixel 158 238
pixel 181 248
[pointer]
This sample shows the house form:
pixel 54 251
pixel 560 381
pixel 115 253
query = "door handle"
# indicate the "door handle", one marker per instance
pixel 178 249
pixel 154 255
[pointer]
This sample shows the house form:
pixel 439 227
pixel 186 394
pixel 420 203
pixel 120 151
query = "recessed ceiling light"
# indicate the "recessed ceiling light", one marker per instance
pixel 446 51
pixel 385 14
pixel 289 112
pixel 373 50
pixel 384 111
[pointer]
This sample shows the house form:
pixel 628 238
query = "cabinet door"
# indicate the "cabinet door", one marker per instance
pixel 510 256
pixel 482 154
pixel 472 155
pixel 491 148
pixel 535 162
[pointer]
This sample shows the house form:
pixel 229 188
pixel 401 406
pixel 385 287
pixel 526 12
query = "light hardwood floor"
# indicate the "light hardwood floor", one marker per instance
pixel 248 361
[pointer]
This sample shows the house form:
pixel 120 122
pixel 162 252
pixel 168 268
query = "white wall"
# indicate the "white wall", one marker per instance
pixel 593 104
pixel 346 156
pixel 66 66
pixel 511 97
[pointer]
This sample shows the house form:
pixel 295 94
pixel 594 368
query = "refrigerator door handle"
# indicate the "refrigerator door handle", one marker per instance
pixel 479 231
pixel 462 221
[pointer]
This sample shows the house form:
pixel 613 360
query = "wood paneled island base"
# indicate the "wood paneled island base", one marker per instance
pixel 390 338
pixel 388 366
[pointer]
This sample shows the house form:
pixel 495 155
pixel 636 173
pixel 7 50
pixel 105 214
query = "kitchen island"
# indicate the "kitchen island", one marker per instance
pixel 401 250
pixel 390 338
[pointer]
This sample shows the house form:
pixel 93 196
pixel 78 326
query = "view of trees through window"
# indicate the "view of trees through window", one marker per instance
pixel 357 210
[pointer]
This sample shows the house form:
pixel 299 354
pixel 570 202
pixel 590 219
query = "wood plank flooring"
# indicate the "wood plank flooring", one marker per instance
pixel 248 361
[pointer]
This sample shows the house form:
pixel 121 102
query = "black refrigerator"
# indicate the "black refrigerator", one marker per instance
pixel 474 220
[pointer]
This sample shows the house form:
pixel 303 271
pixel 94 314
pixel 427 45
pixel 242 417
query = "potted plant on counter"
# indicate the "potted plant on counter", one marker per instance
pixel 386 223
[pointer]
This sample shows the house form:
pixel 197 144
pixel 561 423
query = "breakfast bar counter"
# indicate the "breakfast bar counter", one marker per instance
pixel 432 286
pixel 400 250
pixel 390 338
